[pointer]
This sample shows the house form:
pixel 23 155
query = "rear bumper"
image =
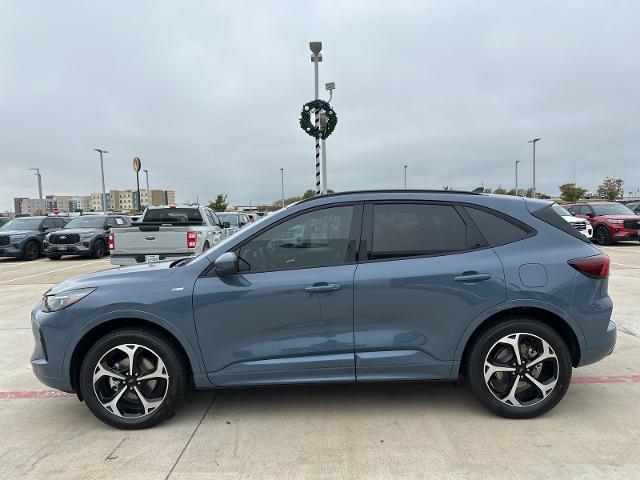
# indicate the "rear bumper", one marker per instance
pixel 601 347
pixel 128 260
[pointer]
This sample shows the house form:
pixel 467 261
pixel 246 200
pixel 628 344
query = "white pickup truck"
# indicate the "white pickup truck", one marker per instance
pixel 165 233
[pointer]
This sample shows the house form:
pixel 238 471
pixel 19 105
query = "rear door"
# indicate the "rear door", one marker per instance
pixel 427 274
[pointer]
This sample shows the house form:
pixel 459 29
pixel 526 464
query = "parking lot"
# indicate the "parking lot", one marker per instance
pixel 410 430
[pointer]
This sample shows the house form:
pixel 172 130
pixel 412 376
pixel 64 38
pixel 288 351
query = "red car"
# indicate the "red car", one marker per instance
pixel 611 221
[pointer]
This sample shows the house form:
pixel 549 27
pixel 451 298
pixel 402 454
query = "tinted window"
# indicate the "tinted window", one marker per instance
pixel 496 229
pixel 406 230
pixel 611 209
pixel 48 223
pixel 173 215
pixel 314 239
pixel 22 224
pixel 86 221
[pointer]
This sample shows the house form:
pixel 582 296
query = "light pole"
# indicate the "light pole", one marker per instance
pixel 405 177
pixel 282 184
pixel 330 87
pixel 146 172
pixel 517 162
pixel 104 192
pixel 533 190
pixel 316 48
pixel 37 174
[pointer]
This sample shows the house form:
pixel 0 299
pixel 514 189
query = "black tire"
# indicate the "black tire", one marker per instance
pixel 98 249
pixel 31 251
pixel 54 256
pixel 205 247
pixel 156 343
pixel 603 236
pixel 485 343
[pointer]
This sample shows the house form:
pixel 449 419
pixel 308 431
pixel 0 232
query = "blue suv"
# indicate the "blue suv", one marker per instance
pixel 23 237
pixel 349 287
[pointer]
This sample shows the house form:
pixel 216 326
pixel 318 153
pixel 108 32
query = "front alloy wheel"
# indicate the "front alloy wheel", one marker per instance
pixel 133 378
pixel 519 368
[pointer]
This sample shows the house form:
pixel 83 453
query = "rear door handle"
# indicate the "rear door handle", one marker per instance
pixel 322 287
pixel 472 277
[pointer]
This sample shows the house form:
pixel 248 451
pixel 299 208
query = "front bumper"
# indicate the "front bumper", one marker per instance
pixel 11 250
pixel 48 352
pixel 587 232
pixel 80 248
pixel 625 234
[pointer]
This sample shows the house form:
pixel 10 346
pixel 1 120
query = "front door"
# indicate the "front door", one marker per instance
pixel 287 316
pixel 428 274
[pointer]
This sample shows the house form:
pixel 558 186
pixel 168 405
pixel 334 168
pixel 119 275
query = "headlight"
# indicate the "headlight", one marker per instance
pixel 86 235
pixel 18 237
pixel 59 301
pixel 616 222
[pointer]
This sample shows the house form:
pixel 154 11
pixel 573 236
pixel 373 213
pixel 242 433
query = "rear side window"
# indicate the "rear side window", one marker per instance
pixel 550 216
pixel 408 230
pixel 498 229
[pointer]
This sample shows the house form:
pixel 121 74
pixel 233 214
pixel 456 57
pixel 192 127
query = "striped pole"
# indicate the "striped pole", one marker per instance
pixel 318 190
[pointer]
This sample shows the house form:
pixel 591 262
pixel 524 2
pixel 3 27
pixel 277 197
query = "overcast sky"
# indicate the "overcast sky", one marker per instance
pixel 208 94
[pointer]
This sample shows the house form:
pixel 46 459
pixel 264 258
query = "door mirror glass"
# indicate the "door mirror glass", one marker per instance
pixel 226 264
pixel 226 225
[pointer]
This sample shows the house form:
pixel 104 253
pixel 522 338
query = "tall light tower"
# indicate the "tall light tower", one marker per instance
pixel 533 192
pixel 405 177
pixel 104 192
pixel 316 48
pixel 37 174
pixel 282 184
pixel 517 162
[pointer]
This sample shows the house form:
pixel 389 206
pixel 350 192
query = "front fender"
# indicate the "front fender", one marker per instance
pixel 195 359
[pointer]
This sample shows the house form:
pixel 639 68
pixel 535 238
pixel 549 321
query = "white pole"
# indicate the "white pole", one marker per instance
pixel 324 166
pixel 282 184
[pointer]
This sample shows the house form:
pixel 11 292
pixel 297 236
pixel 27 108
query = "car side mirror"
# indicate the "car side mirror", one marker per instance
pixel 226 264
pixel 226 225
pixel 242 224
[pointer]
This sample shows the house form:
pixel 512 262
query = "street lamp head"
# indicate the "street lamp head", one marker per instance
pixel 316 47
pixel 100 150
pixel 534 140
pixel 518 161
pixel 330 86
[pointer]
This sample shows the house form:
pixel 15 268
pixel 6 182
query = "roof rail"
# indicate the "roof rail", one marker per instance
pixel 392 190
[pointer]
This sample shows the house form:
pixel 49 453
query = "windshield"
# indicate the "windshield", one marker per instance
pixel 560 210
pixel 232 218
pixel 86 221
pixel 173 215
pixel 22 224
pixel 611 209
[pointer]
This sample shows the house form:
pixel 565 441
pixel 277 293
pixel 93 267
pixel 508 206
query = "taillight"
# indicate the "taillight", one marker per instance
pixel 192 238
pixel 112 241
pixel 593 267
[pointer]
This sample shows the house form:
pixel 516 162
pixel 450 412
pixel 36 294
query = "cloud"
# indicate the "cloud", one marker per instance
pixel 208 94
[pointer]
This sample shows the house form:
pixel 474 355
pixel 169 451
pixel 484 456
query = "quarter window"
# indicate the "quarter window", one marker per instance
pixel 496 229
pixel 407 230
pixel 315 239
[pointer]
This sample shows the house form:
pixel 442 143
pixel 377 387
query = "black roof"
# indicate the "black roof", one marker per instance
pixel 392 190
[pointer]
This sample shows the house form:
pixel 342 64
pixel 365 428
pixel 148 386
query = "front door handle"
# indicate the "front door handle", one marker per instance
pixel 322 287
pixel 472 277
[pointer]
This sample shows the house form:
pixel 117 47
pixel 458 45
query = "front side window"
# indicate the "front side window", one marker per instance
pixel 315 239
pixel 407 230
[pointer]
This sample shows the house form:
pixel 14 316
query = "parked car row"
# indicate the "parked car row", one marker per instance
pixel 611 221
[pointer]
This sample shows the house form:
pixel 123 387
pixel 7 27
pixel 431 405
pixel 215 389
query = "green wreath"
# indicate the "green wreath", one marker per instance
pixel 309 127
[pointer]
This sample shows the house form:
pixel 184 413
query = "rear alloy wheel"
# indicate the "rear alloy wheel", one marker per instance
pixel 133 378
pixel 519 369
pixel 603 236
pixel 31 250
pixel 98 248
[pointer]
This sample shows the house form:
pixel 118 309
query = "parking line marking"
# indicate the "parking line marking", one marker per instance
pixel 34 394
pixel 50 271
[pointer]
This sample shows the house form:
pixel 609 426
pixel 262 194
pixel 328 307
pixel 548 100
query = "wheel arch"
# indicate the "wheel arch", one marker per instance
pixel 90 337
pixel 552 319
